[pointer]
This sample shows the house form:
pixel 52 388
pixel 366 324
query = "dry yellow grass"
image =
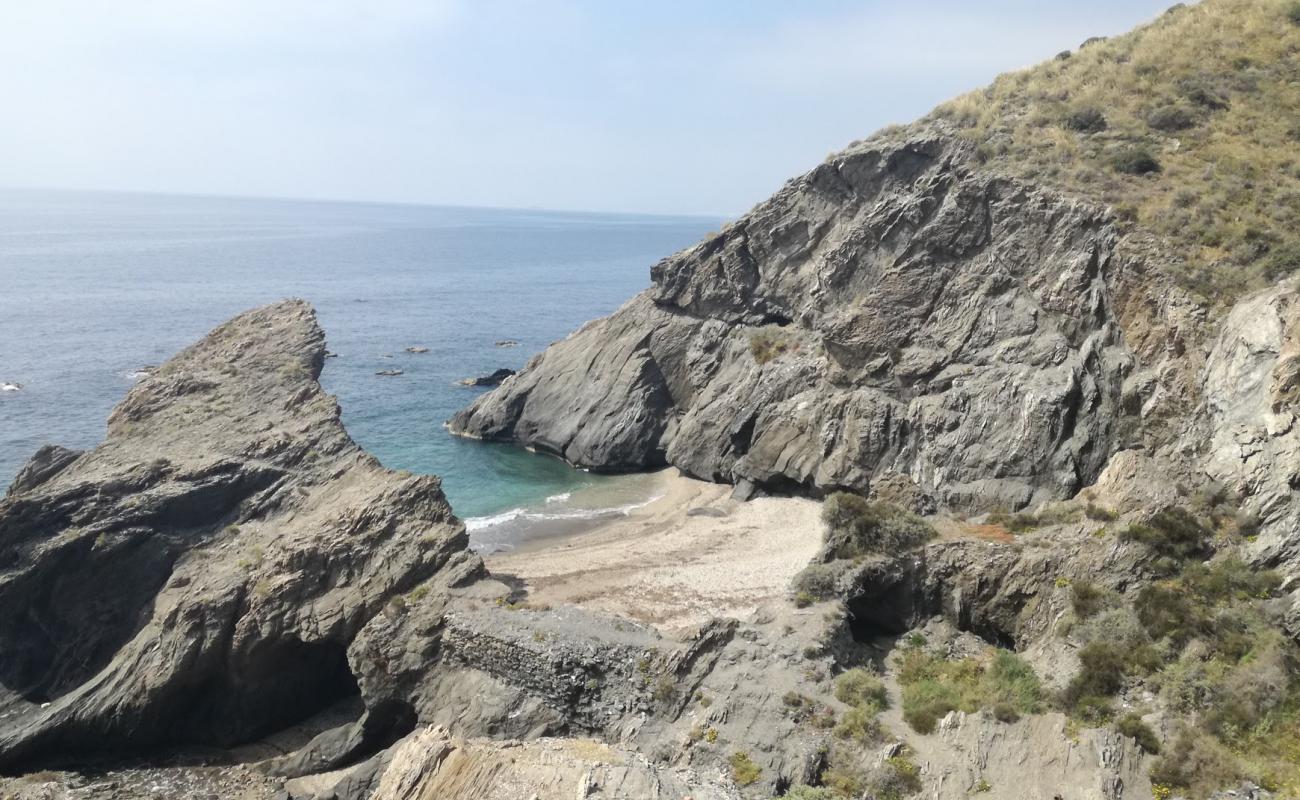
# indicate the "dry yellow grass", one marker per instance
pixel 1227 194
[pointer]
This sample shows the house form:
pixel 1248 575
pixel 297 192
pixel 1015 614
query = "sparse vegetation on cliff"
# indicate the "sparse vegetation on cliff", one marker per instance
pixel 856 526
pixel 743 769
pixel 1205 640
pixel 770 341
pixel 1199 141
pixel 933 686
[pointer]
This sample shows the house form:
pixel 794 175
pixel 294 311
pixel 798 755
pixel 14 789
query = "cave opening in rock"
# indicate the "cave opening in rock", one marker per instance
pixel 887 608
pixel 280 684
pixel 892 602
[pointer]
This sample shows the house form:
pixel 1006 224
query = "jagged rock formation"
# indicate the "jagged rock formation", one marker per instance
pixel 906 320
pixel 1251 390
pixel 228 562
pixel 199 576
pixel 899 312
pixel 920 317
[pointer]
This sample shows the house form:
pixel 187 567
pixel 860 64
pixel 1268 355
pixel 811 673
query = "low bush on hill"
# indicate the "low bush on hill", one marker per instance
pixel 1085 120
pixel 1209 95
pixel 933 686
pixel 856 527
pixel 1205 640
pixel 1135 161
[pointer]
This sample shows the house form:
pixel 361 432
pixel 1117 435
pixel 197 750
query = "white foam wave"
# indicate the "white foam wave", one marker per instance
pixel 482 523
pixel 559 498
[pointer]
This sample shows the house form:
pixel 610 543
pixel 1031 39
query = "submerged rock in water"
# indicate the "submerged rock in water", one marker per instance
pixel 390 373
pixel 494 379
pixel 507 343
pixel 417 349
pixel 11 387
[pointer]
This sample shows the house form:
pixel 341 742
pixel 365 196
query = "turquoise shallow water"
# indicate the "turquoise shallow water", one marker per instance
pixel 94 286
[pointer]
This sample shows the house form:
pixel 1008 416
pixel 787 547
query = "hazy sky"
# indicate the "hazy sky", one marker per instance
pixel 686 106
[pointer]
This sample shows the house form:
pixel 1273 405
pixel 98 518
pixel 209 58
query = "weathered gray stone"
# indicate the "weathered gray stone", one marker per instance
pixel 199 576
pixel 894 310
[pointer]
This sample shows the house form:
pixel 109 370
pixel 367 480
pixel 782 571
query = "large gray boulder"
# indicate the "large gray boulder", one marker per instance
pixel 199 576
pixel 895 310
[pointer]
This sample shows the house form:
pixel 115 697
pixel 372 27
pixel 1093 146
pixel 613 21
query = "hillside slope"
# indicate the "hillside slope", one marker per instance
pixel 1188 126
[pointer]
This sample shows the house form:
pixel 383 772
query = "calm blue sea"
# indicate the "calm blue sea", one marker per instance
pixel 94 286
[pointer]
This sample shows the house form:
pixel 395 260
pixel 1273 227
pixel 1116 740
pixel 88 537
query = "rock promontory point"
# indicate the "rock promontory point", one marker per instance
pixel 199 577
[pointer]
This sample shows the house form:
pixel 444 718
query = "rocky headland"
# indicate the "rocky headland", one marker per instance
pixel 985 495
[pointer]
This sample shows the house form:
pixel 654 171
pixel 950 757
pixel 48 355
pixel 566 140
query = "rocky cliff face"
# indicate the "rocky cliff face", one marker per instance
pixel 896 310
pixel 229 563
pixel 1251 390
pixel 900 321
pixel 901 313
pixel 199 577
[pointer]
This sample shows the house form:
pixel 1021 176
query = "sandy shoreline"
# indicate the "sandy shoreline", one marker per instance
pixel 691 554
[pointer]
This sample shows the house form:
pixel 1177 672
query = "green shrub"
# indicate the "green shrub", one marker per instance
pixel 803 599
pixel 1099 513
pixel 1171 119
pixel 1293 13
pixel 1205 90
pixel 743 770
pixel 1102 666
pixel 1281 262
pixel 860 687
pixel 856 527
pixel 934 686
pixel 1173 534
pixel 926 702
pixel 817 581
pixel 1005 712
pixel 769 342
pixel 859 724
pixel 1132 726
pixel 1093 710
pixel 1196 762
pixel 1009 680
pixel 1166 611
pixel 1087 599
pixel 1229 578
pixel 899 778
pixel 1118 625
pixel 844 774
pixel 1135 161
pixel 1085 120
pixel 1021 522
